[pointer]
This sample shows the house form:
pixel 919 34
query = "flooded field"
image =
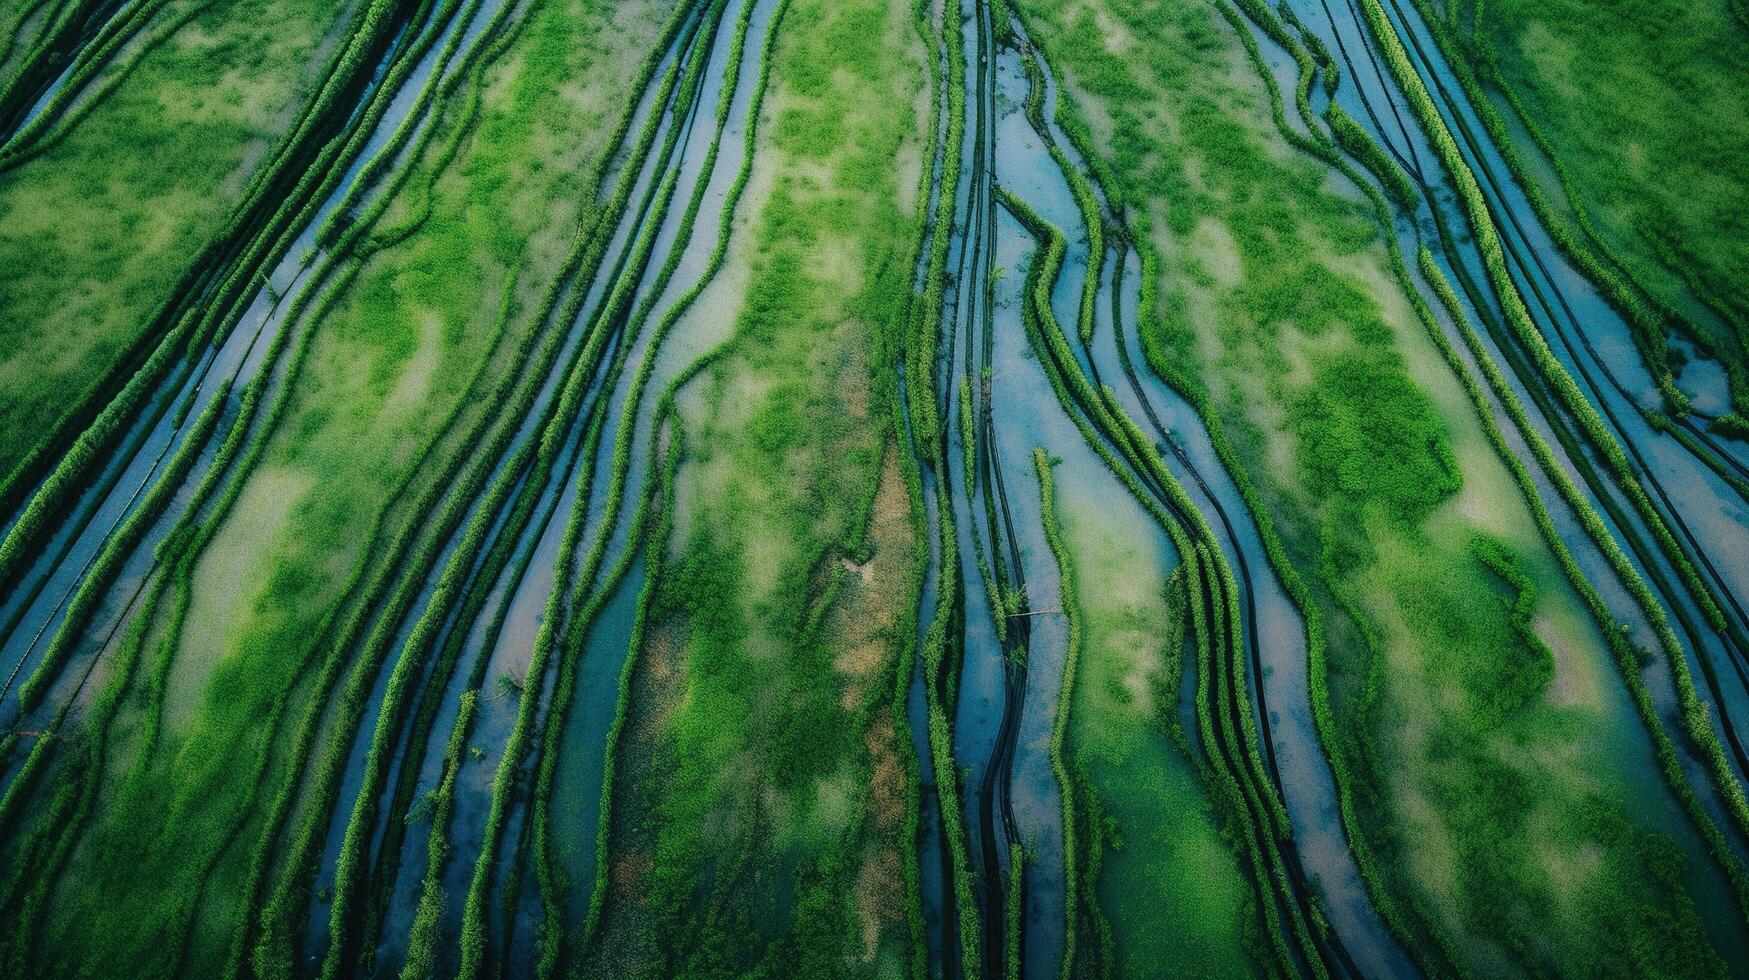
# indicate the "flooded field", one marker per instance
pixel 943 488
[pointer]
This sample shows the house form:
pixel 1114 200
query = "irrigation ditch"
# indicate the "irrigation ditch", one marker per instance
pixel 1559 365
pixel 994 661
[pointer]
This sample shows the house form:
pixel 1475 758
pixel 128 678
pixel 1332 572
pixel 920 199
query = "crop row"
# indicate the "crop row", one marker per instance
pixel 87 407
pixel 1697 442
pixel 725 874
pixel 1360 145
pixel 605 226
pixel 1190 388
pixel 1517 315
pixel 27 888
pixel 1588 250
pixel 590 250
pixel 428 918
pixel 1395 913
pixel 58 28
pixel 1567 391
pixel 101 572
pixel 1305 61
pixel 941 651
pixel 456 22
pixel 1648 319
pixel 921 351
pixel 177 543
pixel 494 561
pixel 62 826
pixel 892 344
pixel 1629 659
pixel 558 630
pixel 996 546
pixel 1072 849
pixel 1085 851
pixel 400 683
pixel 1085 198
pixel 51 844
pixel 1163 489
pixel 1187 386
pixel 62 109
pixel 549 877
pixel 1323 149
pixel 1403 914
pixel 1249 798
pixel 184 535
pixel 514 391
pixel 205 300
pixel 207 291
pixel 541 455
pixel 917 457
pixel 41 18
pixel 388 601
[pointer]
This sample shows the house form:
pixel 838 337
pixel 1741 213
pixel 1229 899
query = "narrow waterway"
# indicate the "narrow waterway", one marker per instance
pixel 1593 344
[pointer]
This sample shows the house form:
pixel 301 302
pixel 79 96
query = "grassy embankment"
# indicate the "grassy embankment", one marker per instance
pixel 1279 315
pixel 760 750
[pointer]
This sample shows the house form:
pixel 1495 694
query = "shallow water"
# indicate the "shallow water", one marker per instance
pixel 520 619
pixel 160 430
pixel 1585 333
pixel 578 790
pixel 534 593
pixel 1276 636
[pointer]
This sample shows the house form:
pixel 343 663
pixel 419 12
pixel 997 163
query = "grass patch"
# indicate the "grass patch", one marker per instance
pixel 771 727
pixel 95 234
pixel 1641 110
pixel 1162 883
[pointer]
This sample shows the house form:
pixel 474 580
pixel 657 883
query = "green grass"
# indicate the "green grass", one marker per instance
pixel 1642 110
pixel 1557 383
pixel 1168 886
pixel 760 812
pixel 95 234
pixel 1279 306
pixel 782 477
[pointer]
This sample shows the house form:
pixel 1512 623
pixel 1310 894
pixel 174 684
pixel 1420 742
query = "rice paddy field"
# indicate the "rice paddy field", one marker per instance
pixel 892 488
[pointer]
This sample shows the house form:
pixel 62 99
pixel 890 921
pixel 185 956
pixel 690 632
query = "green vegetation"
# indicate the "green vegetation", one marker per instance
pixel 422 553
pixel 1279 297
pixel 764 681
pixel 1250 803
pixel 97 236
pixel 1567 392
pixel 919 349
pixel 1360 145
pixel 404 308
pixel 1160 884
pixel 422 946
pixel 1635 125
pixel 551 881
